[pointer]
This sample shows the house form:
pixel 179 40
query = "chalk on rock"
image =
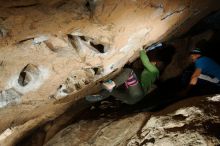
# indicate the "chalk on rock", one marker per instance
pixel 6 133
pixel 3 32
pixel 40 39
pixel 9 96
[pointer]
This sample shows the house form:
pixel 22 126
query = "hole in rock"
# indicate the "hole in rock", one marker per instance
pixel 83 38
pixel 99 47
pixel 28 73
pixel 78 86
pixel 23 80
pixel 96 47
pixel 88 5
pixel 70 36
pixel 25 6
pixel 97 70
pixel 24 40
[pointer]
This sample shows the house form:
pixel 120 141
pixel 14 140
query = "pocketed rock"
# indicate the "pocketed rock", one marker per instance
pixel 29 72
pixel 117 31
pixel 75 81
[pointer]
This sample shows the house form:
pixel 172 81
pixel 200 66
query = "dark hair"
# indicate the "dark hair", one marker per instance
pixel 202 44
pixel 200 47
pixel 163 53
pixel 164 56
pixel 160 65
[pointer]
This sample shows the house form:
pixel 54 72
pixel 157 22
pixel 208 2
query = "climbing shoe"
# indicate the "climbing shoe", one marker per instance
pixel 94 98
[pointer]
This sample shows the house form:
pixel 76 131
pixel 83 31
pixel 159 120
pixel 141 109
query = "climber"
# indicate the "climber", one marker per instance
pixel 136 88
pixel 205 77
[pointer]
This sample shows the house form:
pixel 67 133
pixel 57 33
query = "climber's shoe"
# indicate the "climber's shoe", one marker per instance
pixel 94 98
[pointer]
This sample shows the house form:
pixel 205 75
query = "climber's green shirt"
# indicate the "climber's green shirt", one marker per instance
pixel 149 74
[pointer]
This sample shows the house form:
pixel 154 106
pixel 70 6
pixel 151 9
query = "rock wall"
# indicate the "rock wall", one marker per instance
pixel 188 122
pixel 51 49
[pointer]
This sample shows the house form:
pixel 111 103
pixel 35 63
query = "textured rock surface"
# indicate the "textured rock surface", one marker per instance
pixel 183 123
pixel 51 49
pixel 68 39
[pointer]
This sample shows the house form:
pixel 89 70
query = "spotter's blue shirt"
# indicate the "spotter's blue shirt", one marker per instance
pixel 208 66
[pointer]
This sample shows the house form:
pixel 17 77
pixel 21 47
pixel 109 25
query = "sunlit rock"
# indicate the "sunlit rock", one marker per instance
pixel 52 52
